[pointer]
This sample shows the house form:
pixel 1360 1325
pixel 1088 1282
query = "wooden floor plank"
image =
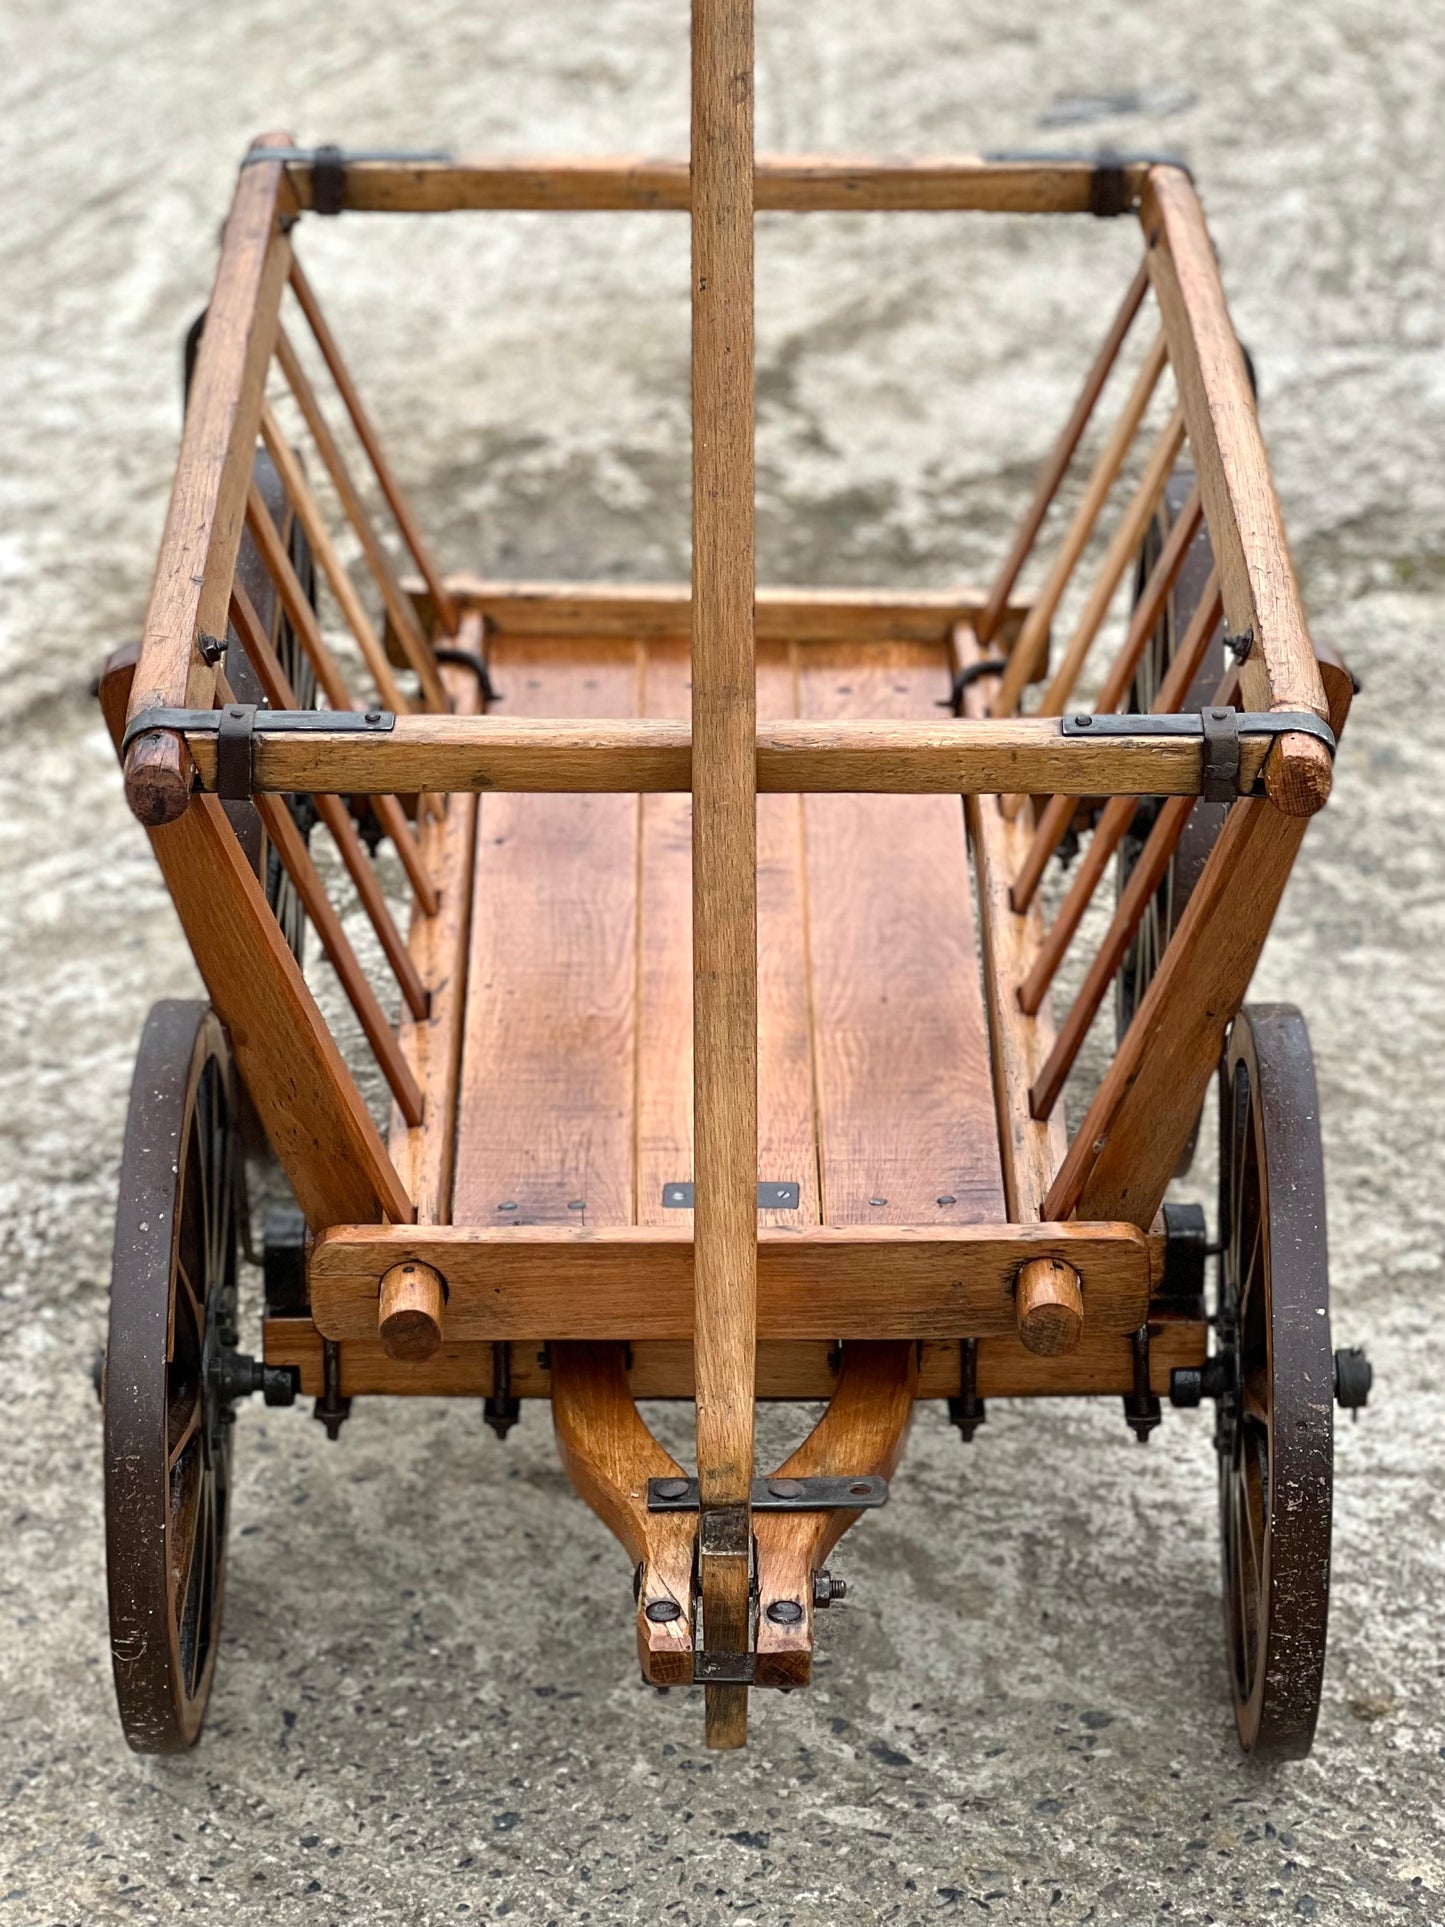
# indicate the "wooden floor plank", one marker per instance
pixel 787 1146
pixel 905 1104
pixel 545 1119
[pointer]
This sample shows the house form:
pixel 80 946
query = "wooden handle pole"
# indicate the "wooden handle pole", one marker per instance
pixel 409 1316
pixel 1050 1305
pixel 724 868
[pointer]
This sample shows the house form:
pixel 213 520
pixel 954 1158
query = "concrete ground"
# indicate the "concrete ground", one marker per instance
pixel 426 1708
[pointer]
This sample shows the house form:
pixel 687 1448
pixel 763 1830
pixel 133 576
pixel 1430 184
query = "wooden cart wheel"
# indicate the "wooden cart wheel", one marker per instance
pixel 1206 820
pixel 166 1392
pixel 1275 1381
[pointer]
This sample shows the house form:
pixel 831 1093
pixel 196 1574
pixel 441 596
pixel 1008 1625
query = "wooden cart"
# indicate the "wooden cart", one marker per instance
pixel 710 1077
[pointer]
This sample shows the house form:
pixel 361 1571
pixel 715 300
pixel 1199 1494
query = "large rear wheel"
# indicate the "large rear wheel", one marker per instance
pixel 171 1376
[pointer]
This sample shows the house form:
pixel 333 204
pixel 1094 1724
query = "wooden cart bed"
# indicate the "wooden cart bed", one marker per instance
pixel 575 1099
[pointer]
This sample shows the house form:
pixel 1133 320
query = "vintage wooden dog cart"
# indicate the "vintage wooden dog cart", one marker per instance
pixel 709 1080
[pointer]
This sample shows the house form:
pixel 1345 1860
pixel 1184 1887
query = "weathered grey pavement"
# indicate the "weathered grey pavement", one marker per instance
pixel 426 1708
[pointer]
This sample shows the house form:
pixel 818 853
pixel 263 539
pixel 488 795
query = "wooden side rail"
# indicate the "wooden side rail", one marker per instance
pixel 1260 596
pixel 640 756
pixel 192 588
pixel 781 184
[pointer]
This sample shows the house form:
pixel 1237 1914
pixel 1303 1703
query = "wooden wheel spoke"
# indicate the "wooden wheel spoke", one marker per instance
pixel 189 1429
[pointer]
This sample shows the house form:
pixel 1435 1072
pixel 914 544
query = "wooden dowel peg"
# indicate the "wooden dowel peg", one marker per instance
pixel 409 1318
pixel 1050 1302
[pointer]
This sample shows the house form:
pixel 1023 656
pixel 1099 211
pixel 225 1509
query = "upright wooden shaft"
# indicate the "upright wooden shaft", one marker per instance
pixel 724 836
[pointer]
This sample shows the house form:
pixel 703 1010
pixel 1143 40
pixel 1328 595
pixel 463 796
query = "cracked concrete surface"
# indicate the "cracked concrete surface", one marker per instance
pixel 427 1708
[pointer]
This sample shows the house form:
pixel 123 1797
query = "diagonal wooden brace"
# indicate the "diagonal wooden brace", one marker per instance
pixel 862 1432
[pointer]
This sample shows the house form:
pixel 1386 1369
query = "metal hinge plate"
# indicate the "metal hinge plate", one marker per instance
pixel 1218 729
pixel 771 1197
pixel 779 1494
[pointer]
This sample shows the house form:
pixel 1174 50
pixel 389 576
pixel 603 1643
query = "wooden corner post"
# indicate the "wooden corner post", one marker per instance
pixel 724 843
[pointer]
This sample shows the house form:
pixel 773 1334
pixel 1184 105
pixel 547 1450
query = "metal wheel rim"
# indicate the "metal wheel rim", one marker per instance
pixel 1276 1420
pixel 167 1432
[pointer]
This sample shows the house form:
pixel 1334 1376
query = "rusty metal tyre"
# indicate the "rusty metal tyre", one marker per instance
pixel 167 1412
pixel 1206 820
pixel 1275 1409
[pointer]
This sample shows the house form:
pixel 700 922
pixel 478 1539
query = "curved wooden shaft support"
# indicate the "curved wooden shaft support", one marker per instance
pixel 862 1431
pixel 609 1455
pixel 1050 1302
pixel 409 1314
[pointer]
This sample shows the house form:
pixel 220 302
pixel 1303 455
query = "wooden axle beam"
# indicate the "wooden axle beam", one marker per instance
pixel 791 1369
pixel 946 1281
pixel 1025 754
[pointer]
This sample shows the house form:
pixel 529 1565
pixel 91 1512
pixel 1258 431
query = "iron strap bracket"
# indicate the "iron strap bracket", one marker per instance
pixel 237 725
pixel 328 166
pixel 784 1195
pixel 779 1494
pixel 1219 730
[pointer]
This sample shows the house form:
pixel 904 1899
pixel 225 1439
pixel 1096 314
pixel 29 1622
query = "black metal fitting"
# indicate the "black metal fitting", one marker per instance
pixel 662 1611
pixel 826 1589
pixel 212 648
pixel 968 1410
pixel 1141 1408
pixel 965 678
pixel 500 1409
pixel 471 659
pixel 785 1612
pixel 331 1409
pixel 1190 1385
pixel 283 1261
pixel 1186 1247
pixel 237 1375
pixel 1354 1375
pixel 1240 646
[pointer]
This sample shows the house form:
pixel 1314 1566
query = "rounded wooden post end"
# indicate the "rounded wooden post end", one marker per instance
pixel 1049 1300
pixel 409 1317
pixel 158 778
pixel 1298 775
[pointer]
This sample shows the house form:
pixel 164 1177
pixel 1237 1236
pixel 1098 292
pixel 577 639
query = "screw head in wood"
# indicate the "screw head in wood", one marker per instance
pixel 660 1611
pixel 785 1612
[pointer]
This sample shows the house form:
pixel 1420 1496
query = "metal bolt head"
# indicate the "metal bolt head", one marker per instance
pixel 785 1612
pixel 660 1611
pixel 826 1588
pixel 671 1488
pixel 785 1488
